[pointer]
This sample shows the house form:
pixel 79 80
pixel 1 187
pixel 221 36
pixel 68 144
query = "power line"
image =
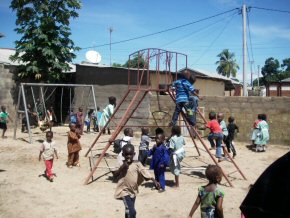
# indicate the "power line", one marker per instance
pixel 216 38
pixel 271 9
pixel 162 31
pixel 194 32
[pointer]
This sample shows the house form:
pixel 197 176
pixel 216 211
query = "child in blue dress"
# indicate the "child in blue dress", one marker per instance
pixel 176 143
pixel 160 159
pixel 210 197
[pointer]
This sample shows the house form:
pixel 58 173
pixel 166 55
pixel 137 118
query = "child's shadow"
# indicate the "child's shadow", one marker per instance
pixel 198 174
pixel 250 147
pixel 40 140
pixel 44 175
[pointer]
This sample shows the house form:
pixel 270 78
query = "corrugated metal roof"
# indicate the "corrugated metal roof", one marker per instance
pixel 286 80
pixel 5 53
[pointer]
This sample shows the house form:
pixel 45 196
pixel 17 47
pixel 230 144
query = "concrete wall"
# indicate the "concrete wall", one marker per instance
pixel 7 94
pixel 245 110
pixel 210 87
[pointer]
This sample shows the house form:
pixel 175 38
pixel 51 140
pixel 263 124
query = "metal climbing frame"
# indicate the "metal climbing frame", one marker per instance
pixel 22 95
pixel 157 69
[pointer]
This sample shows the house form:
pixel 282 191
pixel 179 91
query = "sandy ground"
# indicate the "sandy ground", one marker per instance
pixel 25 193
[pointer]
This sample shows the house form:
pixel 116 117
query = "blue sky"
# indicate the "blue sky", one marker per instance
pixel 202 42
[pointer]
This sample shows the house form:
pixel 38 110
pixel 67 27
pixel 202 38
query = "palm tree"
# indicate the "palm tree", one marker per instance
pixel 227 64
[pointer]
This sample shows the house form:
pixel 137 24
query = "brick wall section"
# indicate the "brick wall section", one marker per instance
pixel 245 110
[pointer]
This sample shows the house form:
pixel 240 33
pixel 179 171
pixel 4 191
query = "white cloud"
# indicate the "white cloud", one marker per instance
pixel 271 32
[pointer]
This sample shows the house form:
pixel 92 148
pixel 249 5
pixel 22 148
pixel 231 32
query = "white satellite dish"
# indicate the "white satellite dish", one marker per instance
pixel 93 57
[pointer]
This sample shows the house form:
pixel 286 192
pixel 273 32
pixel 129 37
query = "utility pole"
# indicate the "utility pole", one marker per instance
pixel 110 30
pixel 244 13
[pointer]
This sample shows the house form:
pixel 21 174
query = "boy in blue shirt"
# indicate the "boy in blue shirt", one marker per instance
pixel 183 88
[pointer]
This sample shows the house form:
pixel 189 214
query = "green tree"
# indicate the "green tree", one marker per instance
pixel 271 71
pixel 133 63
pixel 45 48
pixel 286 64
pixel 116 65
pixel 227 65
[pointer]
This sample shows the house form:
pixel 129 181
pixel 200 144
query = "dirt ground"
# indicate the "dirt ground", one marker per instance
pixel 24 192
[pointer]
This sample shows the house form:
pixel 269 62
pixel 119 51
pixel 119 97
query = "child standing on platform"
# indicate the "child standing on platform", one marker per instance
pixel 4 116
pixel 144 145
pixel 73 146
pixel 160 160
pixel 263 134
pixel 107 113
pixel 130 175
pixel 232 127
pixel 215 134
pixel 176 143
pixel 47 152
pixel 210 197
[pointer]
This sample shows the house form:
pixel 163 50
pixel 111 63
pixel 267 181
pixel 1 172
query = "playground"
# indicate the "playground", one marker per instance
pixel 24 190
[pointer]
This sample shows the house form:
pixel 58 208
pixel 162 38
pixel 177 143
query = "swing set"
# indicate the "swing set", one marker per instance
pixel 165 67
pixel 45 93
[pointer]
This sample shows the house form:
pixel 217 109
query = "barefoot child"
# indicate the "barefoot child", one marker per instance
pixel 210 197
pixel 215 134
pixel 160 160
pixel 130 175
pixel 73 146
pixel 4 116
pixel 144 145
pixel 176 144
pixel 47 152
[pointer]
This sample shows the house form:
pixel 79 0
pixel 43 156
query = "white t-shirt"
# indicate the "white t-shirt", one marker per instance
pixel 48 149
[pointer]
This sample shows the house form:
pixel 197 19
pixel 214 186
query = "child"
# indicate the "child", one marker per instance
pixel 72 117
pixel 47 152
pixel 256 129
pixel 4 116
pixel 159 160
pixel 210 197
pixel 144 145
pixel 183 88
pixel 51 117
pixel 128 135
pixel 97 117
pixel 223 125
pixel 176 144
pixel 88 120
pixel 215 134
pixel 73 146
pixel 263 134
pixel 232 127
pixel 130 175
pixel 107 113
pixel 80 121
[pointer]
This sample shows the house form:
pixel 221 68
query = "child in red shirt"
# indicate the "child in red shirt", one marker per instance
pixel 215 134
